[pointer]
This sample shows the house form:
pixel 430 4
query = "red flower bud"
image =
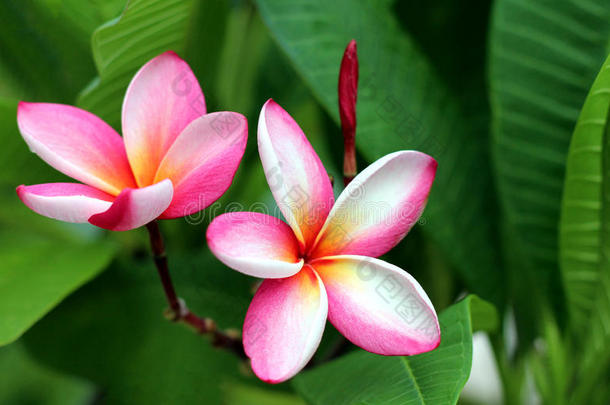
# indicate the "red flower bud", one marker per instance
pixel 348 92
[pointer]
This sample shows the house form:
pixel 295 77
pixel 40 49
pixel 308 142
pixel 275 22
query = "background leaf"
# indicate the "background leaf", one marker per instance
pixel 24 381
pixel 240 394
pixel 543 57
pixel 43 54
pixel 129 349
pixel 38 272
pixel 436 377
pixel 145 29
pixel 581 223
pixel 585 232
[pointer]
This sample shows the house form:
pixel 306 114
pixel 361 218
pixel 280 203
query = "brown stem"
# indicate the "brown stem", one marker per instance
pixel 178 311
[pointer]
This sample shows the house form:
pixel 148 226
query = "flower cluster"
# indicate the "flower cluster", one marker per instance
pixel 320 263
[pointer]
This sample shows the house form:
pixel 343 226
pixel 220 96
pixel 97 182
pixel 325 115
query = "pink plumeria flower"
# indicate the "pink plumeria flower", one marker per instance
pixel 173 159
pixel 322 263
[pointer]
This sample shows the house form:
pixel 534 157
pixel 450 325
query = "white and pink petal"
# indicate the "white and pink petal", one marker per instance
pixel 255 244
pixel 202 161
pixel 161 100
pixel 134 208
pixel 296 176
pixel 69 202
pixel 77 143
pixel 379 206
pixel 284 325
pixel 378 306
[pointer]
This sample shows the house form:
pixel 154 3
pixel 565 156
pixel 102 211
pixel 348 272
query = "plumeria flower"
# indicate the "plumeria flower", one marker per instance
pixel 321 263
pixel 173 159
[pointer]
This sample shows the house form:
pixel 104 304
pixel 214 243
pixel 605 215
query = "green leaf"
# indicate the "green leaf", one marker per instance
pixel 436 377
pixel 82 16
pixel 26 382
pixel 120 47
pixel 247 41
pixel 402 104
pixel 41 265
pixel 241 394
pixel 44 55
pixel 543 58
pixel 585 232
pixel 126 346
pixel 581 248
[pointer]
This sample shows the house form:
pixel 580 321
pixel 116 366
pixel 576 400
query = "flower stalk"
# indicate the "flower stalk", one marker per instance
pixel 178 311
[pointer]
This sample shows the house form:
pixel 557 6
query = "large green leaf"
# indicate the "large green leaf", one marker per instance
pixel 543 58
pixel 129 349
pixel 585 230
pixel 435 377
pixel 402 104
pixel 84 17
pixel 581 248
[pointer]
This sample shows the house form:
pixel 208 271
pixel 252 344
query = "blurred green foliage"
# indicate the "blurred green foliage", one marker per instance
pixel 493 91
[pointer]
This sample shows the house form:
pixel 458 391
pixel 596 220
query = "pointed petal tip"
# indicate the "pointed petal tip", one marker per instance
pixel 23 107
pixel 351 47
pixel 171 52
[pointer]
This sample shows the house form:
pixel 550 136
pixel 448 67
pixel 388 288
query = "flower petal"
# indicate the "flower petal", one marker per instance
pixel 255 244
pixel 378 306
pixel 203 160
pixel 69 202
pixel 135 207
pixel 161 100
pixel 379 207
pixel 77 143
pixel 284 325
pixel 298 180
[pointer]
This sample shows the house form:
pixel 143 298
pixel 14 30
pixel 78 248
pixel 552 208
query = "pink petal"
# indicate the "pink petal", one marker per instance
pixel 298 180
pixel 284 325
pixel 77 143
pixel 255 244
pixel 379 207
pixel 203 160
pixel 378 306
pixel 69 202
pixel 134 208
pixel 162 99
